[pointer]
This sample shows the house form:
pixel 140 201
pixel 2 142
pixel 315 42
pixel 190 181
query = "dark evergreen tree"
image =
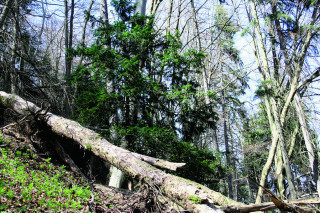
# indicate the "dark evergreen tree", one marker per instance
pixel 142 79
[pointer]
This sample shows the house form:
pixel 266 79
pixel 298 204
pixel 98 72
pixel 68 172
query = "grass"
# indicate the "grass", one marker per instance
pixel 29 184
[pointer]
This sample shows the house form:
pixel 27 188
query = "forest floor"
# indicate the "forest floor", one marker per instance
pixel 37 182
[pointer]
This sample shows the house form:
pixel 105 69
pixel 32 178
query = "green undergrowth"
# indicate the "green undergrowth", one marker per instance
pixel 32 184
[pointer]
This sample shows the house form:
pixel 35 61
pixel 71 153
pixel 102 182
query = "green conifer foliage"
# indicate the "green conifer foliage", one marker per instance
pixel 146 84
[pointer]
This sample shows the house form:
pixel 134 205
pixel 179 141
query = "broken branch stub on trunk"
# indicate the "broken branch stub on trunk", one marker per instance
pixel 181 190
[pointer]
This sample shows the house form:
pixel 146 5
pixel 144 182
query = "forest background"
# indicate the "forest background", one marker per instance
pixel 228 87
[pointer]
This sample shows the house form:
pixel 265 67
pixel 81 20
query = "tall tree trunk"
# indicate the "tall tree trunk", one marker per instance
pixel 234 167
pixel 215 145
pixel 284 152
pixel 71 29
pixel 68 33
pixel 4 12
pixel 66 38
pixel 84 29
pixel 141 7
pixel 178 16
pixel 294 74
pixel 226 142
pixel 279 173
pixel 13 71
pixel 273 146
pixel 104 10
pixel 309 145
pixel 293 140
pixel 265 72
pixel 196 25
pixel 154 6
pixel 116 175
pixel 169 16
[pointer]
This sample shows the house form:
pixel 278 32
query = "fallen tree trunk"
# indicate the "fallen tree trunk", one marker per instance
pixel 296 206
pixel 186 193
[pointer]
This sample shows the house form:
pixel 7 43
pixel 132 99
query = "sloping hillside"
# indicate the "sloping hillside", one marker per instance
pixel 36 182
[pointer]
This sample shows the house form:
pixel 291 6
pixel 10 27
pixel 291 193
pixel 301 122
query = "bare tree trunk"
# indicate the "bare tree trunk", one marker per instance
pixel 141 7
pixel 312 157
pixel 265 72
pixel 13 72
pixel 298 60
pixel 68 33
pixel 104 10
pixel 154 6
pixel 266 168
pixel 71 29
pixel 169 16
pixel 284 153
pixel 293 140
pixel 116 175
pixel 66 37
pixel 279 175
pixel 84 29
pixel 215 145
pixel 272 149
pixel 226 142
pixel 4 12
pixel 178 16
